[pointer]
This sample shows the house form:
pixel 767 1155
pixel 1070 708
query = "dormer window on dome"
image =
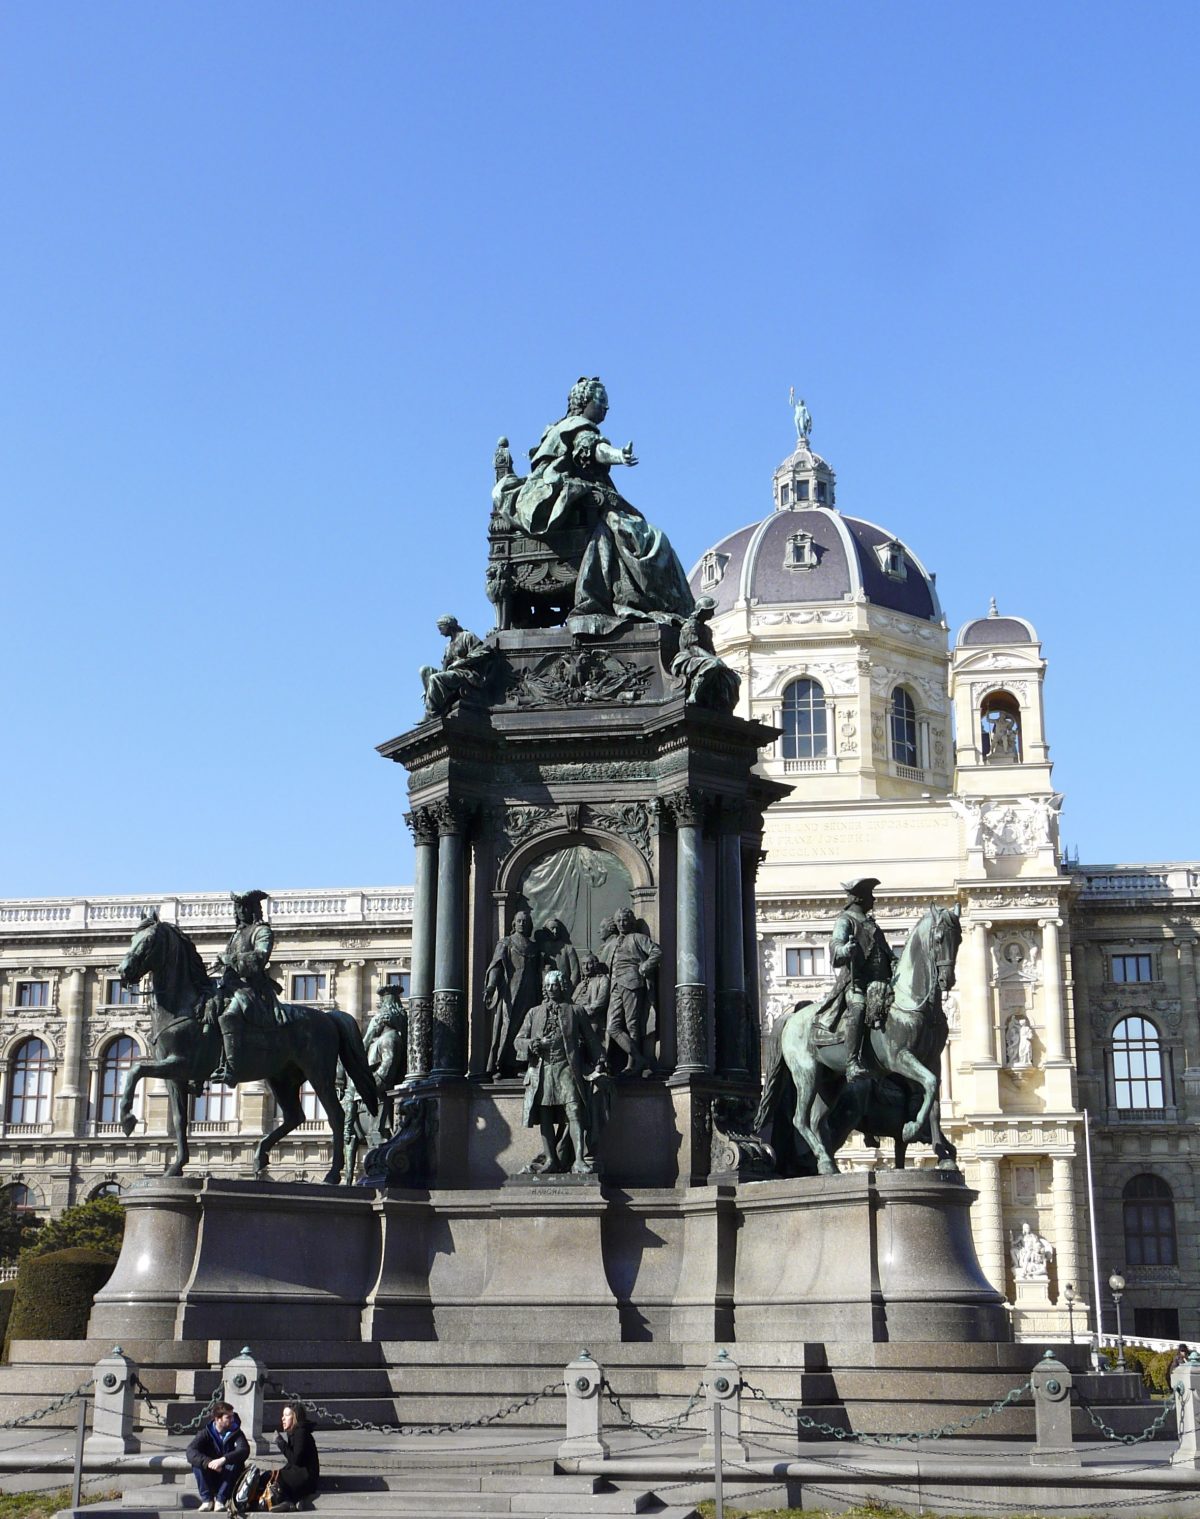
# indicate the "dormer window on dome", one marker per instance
pixel 891 559
pixel 712 569
pixel 801 552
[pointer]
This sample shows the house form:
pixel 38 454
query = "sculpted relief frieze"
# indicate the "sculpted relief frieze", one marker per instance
pixel 1018 827
pixel 801 617
pixel 836 676
pixel 885 677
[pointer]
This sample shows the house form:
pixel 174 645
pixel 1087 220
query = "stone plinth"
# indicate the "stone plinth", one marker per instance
pixel 880 1255
pixel 865 1257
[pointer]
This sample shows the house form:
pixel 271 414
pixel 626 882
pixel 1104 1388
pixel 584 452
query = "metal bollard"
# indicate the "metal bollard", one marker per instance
pixel 722 1383
pixel 1052 1411
pixel 243 1378
pixel 584 1414
pixel 112 1408
pixel 1185 1384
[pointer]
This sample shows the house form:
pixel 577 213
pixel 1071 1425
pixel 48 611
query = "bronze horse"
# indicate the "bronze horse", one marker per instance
pixel 902 1096
pixel 187 1046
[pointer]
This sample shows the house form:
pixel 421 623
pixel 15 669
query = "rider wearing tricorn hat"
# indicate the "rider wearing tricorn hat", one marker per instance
pixel 864 961
pixel 246 988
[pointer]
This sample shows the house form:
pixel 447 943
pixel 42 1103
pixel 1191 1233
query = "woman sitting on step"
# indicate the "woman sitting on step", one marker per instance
pixel 299 1479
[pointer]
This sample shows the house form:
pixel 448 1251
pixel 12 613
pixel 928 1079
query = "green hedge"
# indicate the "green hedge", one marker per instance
pixel 1154 1365
pixel 8 1291
pixel 54 1294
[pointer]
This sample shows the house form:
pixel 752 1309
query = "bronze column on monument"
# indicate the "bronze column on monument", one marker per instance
pixel 732 1041
pixel 688 807
pixel 420 999
pixel 450 952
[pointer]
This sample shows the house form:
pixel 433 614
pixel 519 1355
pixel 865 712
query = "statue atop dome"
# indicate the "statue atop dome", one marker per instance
pixel 801 416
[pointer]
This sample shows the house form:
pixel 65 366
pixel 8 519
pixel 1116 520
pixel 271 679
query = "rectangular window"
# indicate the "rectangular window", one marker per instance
pixel 785 494
pixel 801 490
pixel 820 490
pixel 33 994
pixel 1133 967
pixel 310 1104
pixel 117 994
pixel 308 988
pixel 399 979
pixel 215 1104
pixel 805 962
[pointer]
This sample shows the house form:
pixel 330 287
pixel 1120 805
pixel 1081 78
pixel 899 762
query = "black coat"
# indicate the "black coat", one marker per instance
pixel 303 1470
pixel 206 1446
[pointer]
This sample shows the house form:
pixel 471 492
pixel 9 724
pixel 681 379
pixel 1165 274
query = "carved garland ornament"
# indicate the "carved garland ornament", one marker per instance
pixel 629 820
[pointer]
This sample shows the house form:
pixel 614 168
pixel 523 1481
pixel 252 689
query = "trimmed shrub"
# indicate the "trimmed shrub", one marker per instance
pixel 8 1291
pixel 95 1225
pixel 54 1294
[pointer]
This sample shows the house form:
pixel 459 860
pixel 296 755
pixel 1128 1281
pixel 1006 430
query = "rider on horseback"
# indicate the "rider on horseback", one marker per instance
pixel 865 962
pixel 247 994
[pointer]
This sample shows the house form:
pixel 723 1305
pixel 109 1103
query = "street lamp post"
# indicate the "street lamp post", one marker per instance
pixel 1116 1285
pixel 1069 1294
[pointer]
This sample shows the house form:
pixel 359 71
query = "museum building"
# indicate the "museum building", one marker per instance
pixel 910 758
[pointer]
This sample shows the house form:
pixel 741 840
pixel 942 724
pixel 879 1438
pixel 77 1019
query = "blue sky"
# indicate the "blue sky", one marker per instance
pixel 277 275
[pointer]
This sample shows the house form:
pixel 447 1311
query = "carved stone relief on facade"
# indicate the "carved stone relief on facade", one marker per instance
pixel 521 822
pixel 885 677
pixel 837 677
pixel 801 617
pixel 1016 953
pixel 1105 1011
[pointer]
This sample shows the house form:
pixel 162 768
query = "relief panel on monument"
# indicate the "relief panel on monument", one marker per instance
pixel 579 886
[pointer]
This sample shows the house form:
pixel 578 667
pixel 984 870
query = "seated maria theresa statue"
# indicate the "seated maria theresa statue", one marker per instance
pixel 628 568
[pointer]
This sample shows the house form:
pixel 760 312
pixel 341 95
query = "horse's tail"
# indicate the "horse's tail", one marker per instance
pixel 779 1088
pixel 353 1055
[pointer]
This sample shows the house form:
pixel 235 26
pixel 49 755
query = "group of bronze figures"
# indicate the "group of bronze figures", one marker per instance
pixel 867 1057
pixel 573 1021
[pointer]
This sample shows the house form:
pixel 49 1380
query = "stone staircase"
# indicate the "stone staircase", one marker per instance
pixel 432 1495
pixel 892 1388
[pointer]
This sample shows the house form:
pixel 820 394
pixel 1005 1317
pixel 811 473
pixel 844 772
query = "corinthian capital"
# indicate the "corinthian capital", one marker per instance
pixel 688 807
pixel 423 822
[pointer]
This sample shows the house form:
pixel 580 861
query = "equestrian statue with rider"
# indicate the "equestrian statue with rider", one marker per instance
pixel 247 997
pixel 862 991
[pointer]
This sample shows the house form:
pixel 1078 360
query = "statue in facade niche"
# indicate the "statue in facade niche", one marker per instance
pixel 1031 1254
pixel 1002 740
pixel 1018 1041
pixel 706 680
pixel 464 667
pixel 566 1064
pixel 512 985
pixel 629 568
pixel 631 958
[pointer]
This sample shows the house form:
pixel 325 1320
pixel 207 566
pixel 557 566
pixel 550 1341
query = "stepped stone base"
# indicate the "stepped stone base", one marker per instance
pixel 880 1257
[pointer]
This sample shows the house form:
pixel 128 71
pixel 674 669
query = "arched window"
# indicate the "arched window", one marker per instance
pixel 106 1189
pixel 1137 1059
pixel 1149 1208
pixel 115 1065
pixel 805 721
pixel 904 728
pixel 216 1104
pixel 30 1080
pixel 25 1201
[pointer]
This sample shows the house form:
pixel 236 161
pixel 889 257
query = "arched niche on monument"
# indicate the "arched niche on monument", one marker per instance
pixel 1000 729
pixel 580 879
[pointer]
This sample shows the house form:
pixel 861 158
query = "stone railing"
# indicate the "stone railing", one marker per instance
pixel 1106 882
pixel 57 916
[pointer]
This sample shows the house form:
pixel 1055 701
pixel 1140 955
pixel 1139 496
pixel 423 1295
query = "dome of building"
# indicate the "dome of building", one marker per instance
pixel 807 550
pixel 815 553
pixel 994 629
